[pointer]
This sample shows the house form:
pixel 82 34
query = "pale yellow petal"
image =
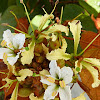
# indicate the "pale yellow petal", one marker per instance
pixel 15 92
pixel 23 74
pixel 59 28
pixel 58 54
pixel 75 28
pixel 93 61
pixel 81 97
pixel 45 49
pixel 32 97
pixel 93 72
pixel 27 56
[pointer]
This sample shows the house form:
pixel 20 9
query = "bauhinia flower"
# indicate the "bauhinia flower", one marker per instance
pixel 57 82
pixel 12 46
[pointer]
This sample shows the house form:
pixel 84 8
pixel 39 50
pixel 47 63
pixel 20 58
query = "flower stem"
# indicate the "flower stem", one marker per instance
pixel 88 45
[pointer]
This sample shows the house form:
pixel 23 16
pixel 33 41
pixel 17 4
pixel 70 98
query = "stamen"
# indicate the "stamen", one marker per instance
pixel 62 84
pixel 54 93
pixel 5 56
pixel 50 79
pixel 10 45
pixel 3 43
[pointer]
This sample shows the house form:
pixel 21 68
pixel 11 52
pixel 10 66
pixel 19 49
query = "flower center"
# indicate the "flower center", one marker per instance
pixel 62 84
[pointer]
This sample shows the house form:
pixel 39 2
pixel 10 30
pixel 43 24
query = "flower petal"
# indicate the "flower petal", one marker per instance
pixel 66 74
pixel 49 91
pixel 57 54
pixel 15 92
pixel 32 97
pixel 45 81
pixel 12 60
pixel 75 28
pixel 65 93
pixel 81 97
pixel 18 40
pixel 2 51
pixel 54 70
pixel 57 28
pixel 23 74
pixel 93 72
pixel 44 20
pixel 27 56
pixel 93 61
pixel 8 36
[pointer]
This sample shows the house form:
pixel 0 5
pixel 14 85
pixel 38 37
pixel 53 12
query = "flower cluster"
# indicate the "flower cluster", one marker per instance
pixel 36 61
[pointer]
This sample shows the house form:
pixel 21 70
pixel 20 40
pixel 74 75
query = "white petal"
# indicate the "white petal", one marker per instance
pixel 54 70
pixel 65 94
pixel 12 60
pixel 8 36
pixel 66 74
pixel 18 40
pixel 45 81
pixel 49 91
pixel 2 51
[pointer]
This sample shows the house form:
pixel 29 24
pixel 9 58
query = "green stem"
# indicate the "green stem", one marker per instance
pixel 28 17
pixel 61 14
pixel 88 45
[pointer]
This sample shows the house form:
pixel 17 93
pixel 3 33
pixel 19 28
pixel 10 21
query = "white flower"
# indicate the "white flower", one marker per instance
pixel 57 82
pixel 14 44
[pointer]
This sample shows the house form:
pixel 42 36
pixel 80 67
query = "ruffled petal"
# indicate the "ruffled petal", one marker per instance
pixel 57 28
pixel 27 56
pixel 54 70
pixel 93 61
pixel 75 28
pixel 50 91
pixel 23 74
pixel 58 54
pixel 66 74
pixel 93 72
pixel 18 40
pixel 65 93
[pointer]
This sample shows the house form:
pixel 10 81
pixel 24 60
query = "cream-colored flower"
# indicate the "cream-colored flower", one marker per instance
pixel 14 44
pixel 63 76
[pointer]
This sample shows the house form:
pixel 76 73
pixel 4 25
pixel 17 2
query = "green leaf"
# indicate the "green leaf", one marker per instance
pixel 7 17
pixel 3 5
pixel 90 9
pixel 11 2
pixel 71 11
pixel 87 23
